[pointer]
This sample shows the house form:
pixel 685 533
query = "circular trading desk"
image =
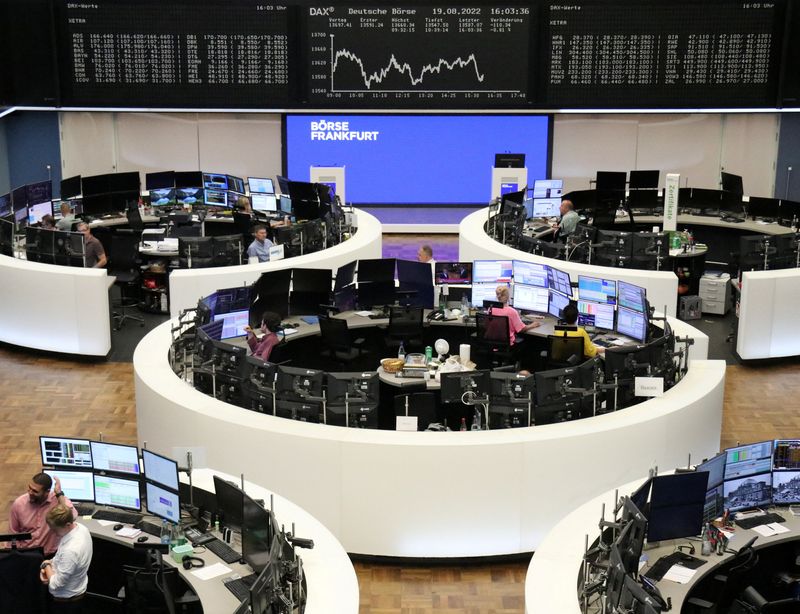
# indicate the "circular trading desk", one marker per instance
pixel 429 494
pixel 187 286
pixel 332 586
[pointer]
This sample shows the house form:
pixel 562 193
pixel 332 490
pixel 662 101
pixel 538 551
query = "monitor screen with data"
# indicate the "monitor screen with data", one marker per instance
pixel 631 297
pixel 483 292
pixel 631 324
pixel 492 271
pixel 261 185
pixel 233 323
pixel 531 298
pixel 599 315
pixel 115 458
pixel 748 460
pixel 38 211
pixel 77 485
pixel 530 273
pixel 597 289
pixel 548 188
pixel 559 281
pixel 264 202
pixel 786 455
pixel 715 468
pixel 545 207
pixel 66 452
pixel 160 469
pixel 162 503
pixel 556 304
pixel 117 492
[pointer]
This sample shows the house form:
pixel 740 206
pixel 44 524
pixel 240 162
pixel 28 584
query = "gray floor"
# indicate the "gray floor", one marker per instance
pixel 718 328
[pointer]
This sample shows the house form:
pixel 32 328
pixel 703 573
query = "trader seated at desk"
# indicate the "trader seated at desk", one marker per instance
pixel 95 255
pixel 570 317
pixel 67 218
pixel 569 221
pixel 515 323
pixel 262 348
pixel 259 248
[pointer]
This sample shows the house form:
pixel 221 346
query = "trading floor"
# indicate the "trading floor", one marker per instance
pixel 83 398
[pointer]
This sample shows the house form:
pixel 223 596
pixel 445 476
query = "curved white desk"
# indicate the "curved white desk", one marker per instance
pixel 186 286
pixel 768 314
pixel 429 494
pixel 55 308
pixel 332 582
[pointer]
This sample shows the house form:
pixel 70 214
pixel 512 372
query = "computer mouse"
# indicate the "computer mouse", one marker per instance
pixel 143 538
pixel 117 527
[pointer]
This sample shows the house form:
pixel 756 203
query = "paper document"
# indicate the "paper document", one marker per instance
pixel 768 530
pixel 106 523
pixel 129 532
pixel 289 331
pixel 679 574
pixel 211 571
pixel 364 314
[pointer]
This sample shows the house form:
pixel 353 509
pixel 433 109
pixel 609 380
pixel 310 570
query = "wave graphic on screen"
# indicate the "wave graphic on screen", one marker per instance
pixel 378 76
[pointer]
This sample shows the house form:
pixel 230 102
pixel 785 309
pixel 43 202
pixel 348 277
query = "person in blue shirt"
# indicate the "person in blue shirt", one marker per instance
pixel 259 248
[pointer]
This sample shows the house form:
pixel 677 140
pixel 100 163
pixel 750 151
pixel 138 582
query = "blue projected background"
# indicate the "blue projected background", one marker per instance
pixel 391 159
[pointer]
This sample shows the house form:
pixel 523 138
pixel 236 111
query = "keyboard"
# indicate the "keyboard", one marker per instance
pixel 223 551
pixel 123 517
pixel 757 521
pixel 662 565
pixel 538 229
pixel 84 509
pixel 240 587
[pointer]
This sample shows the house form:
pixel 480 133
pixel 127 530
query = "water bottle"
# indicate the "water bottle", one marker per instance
pixel 706 548
pixel 401 352
pixel 463 426
pixel 464 306
pixel 165 532
pixel 476 421
pixel 428 353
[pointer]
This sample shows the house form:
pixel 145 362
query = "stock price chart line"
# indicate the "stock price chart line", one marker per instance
pixel 418 55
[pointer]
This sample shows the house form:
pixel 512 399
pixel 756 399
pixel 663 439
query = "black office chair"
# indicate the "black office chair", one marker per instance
pixel 135 221
pixel 751 601
pixel 564 351
pixel 336 338
pixel 243 223
pixel 420 404
pixel 20 589
pixel 154 591
pixel 124 265
pixel 726 585
pixel 492 342
pixel 405 326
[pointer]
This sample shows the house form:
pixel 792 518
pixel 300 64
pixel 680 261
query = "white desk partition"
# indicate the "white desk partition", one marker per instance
pixel 475 244
pixel 186 286
pixel 428 494
pixel 508 175
pixel 768 323
pixel 55 308
pixel 328 175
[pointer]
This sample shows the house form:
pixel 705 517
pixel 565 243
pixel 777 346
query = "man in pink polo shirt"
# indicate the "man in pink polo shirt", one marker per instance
pixel 29 511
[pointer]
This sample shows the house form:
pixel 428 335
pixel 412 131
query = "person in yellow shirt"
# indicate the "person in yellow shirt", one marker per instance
pixel 570 317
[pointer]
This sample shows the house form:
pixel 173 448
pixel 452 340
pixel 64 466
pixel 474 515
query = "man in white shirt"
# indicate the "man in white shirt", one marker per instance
pixel 425 254
pixel 67 217
pixel 66 574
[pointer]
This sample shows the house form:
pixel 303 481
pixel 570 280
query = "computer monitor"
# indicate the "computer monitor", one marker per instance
pixel 631 297
pixel 611 181
pixel 271 293
pixel 453 273
pixel 745 493
pixel 257 533
pixel 261 185
pixel 189 196
pixel 229 300
pixel 530 273
pixel 215 198
pixel 19 198
pixel 731 183
pixel 715 467
pixel 676 506
pixel 296 383
pixel 554 403
pixel 99 204
pixel 531 298
pixel 38 211
pixel 285 203
pixel 353 387
pixel 597 290
pixel 630 541
pixel 70 187
pixel 641 496
pixel 66 452
pixel 548 188
pixel 215 181
pixel 749 459
pixel 233 323
pixel 492 271
pixel 236 184
pixel 509 160
pixel 345 275
pixel 39 192
pixel 196 252
pixel 545 207
pixel 599 315
pixel 230 503
pixel 5 205
pixel 759 207
pixel 644 180
pixel 559 281
pixel 262 591
pixel 785 487
pixel 483 292
pixel 77 485
pixel 376 269
pixel 115 458
pixel 615 579
pixel 160 469
pixel 264 202
pixel 373 293
pixel 556 303
pixel 117 492
pixel 632 324
pixel 786 455
pixel 163 197
pixel 155 181
pixel 162 502
pixel 455 385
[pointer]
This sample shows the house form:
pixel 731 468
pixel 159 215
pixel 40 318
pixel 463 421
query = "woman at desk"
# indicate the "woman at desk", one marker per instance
pixel 515 323
pixel 262 348
pixel 570 317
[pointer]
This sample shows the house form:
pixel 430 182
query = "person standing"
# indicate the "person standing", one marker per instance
pixel 66 574
pixel 28 512
pixel 95 255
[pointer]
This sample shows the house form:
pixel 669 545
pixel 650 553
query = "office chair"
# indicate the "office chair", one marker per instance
pixel 337 340
pixel 420 404
pixel 153 591
pixel 492 342
pixel 20 589
pixel 243 223
pixel 563 351
pixel 753 602
pixel 123 264
pixel 726 585
pixel 135 221
pixel 405 326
